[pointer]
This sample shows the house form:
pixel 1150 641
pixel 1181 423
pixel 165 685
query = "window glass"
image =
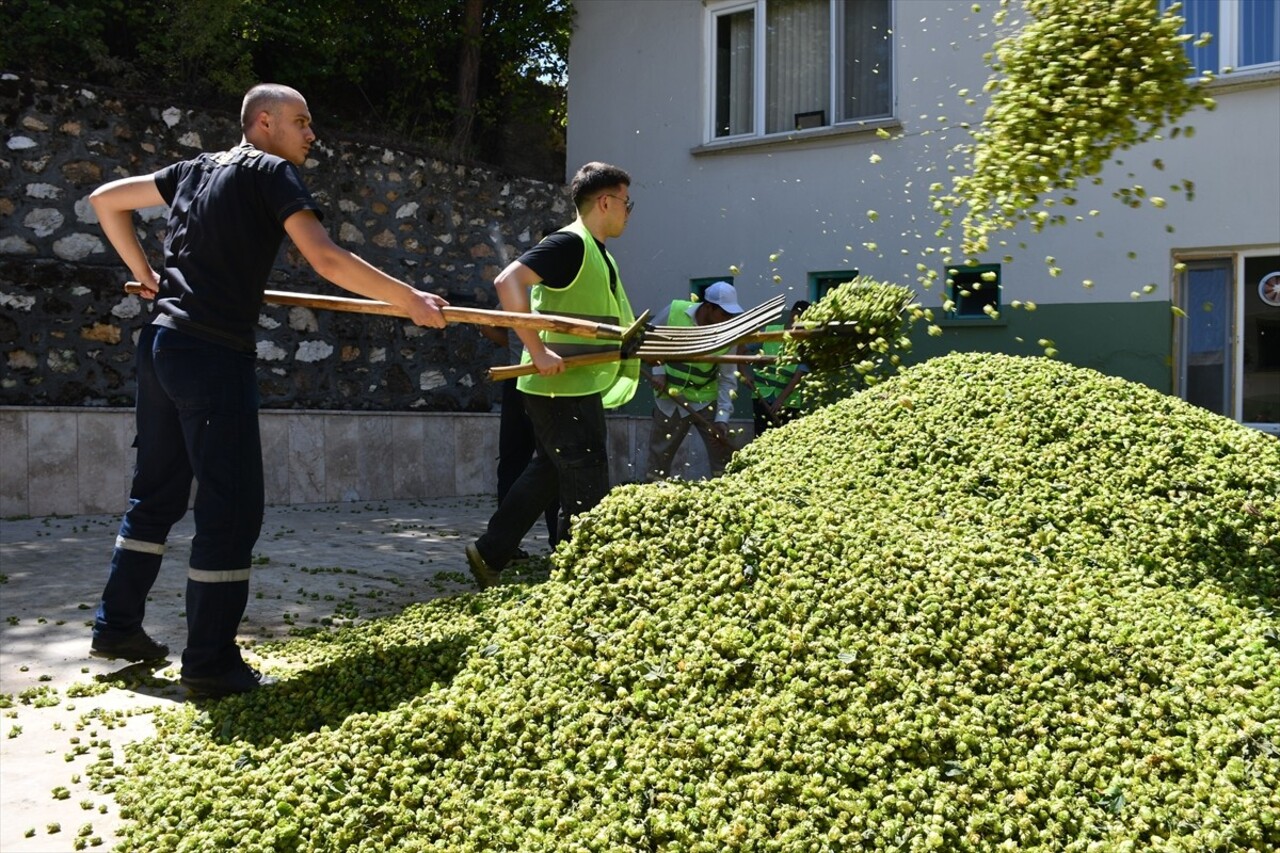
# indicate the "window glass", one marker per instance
pixel 1202 17
pixel 779 66
pixel 864 62
pixel 1206 340
pixel 821 283
pixel 1245 33
pixel 734 73
pixel 1260 337
pixel 1259 32
pixel 1229 341
pixel 975 290
pixel 797 61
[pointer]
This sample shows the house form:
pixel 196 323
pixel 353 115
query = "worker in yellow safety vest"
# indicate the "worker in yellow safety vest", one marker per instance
pixel 693 394
pixel 773 399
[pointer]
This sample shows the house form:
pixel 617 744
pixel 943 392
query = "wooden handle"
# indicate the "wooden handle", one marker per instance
pixel 540 322
pixel 476 316
pixel 720 359
pixel 513 371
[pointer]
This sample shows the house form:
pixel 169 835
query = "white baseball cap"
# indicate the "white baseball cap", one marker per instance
pixel 722 293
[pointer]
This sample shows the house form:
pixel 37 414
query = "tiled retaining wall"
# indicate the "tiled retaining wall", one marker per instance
pixel 78 461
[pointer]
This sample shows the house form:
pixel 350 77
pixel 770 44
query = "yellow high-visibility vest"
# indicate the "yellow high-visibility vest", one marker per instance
pixel 694 381
pixel 588 297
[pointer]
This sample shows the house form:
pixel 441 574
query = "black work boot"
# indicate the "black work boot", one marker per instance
pixel 135 646
pixel 239 679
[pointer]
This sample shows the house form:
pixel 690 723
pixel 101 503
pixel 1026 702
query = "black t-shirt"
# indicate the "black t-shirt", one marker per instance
pixel 557 260
pixel 225 226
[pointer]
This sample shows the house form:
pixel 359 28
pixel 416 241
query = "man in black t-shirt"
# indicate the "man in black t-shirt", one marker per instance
pixel 197 399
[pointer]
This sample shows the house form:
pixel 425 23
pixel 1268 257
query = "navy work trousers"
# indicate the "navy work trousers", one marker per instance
pixel 197 416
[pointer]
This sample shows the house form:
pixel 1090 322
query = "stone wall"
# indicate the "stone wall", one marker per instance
pixel 67 329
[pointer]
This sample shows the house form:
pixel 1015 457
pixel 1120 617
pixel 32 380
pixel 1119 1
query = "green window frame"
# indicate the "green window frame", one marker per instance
pixel 972 288
pixel 698 286
pixel 820 283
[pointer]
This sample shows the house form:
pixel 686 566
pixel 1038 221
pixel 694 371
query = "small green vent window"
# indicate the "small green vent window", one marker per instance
pixel 822 282
pixel 975 290
pixel 698 286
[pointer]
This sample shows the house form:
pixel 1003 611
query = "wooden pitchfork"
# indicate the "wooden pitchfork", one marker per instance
pixel 657 343
pixel 675 343
pixel 452 314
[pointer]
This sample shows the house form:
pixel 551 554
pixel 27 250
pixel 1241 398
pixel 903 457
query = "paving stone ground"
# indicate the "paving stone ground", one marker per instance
pixel 313 564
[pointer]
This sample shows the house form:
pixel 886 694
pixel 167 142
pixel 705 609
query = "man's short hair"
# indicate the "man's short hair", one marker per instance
pixel 594 178
pixel 265 96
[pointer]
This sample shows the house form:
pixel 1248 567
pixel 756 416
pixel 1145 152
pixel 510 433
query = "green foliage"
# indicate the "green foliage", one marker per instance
pixel 204 48
pixel 390 65
pixel 37 35
pixel 992 603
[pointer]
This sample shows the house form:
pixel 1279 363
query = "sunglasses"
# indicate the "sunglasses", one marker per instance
pixel 630 203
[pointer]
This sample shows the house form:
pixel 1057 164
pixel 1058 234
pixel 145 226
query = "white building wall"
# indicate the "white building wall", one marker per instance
pixel 637 89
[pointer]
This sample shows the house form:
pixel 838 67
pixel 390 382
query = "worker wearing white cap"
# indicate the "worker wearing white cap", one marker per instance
pixel 693 394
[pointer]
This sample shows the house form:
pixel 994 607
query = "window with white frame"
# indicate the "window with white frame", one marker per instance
pixel 778 66
pixel 1245 34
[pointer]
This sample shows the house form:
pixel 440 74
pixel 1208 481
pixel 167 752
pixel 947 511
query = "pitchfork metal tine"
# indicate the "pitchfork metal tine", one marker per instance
pixel 748 319
pixel 711 339
pixel 708 339
pixel 751 318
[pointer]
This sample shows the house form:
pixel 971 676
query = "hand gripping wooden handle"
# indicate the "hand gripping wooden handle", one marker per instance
pixel 513 371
